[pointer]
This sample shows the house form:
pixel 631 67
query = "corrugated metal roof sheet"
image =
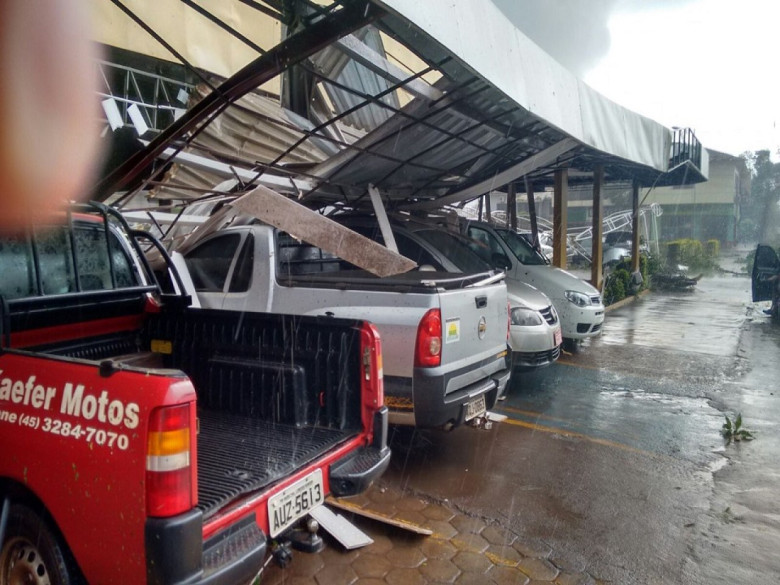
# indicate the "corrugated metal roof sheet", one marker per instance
pixel 500 109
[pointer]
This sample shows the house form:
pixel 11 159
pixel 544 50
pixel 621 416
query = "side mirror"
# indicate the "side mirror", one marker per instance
pixel 500 262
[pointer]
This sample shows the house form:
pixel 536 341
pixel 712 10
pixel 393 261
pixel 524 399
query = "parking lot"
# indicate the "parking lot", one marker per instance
pixel 269 261
pixel 609 468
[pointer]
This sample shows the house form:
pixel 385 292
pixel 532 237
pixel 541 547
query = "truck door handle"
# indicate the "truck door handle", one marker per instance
pixel 481 302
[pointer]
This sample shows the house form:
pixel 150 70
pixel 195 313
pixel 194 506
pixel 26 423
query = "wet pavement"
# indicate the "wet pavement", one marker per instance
pixel 609 468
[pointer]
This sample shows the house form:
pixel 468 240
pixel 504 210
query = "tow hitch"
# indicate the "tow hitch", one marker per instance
pixel 481 422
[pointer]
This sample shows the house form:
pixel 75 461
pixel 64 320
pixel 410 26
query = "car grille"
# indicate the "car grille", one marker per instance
pixel 595 299
pixel 533 359
pixel 548 315
pixel 586 328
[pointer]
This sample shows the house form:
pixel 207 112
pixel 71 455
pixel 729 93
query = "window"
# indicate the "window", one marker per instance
pixel 456 249
pixel 55 258
pixel 414 251
pixel 56 261
pixel 522 248
pixel 297 258
pixel 18 269
pixel 242 273
pixel 209 263
pixel 93 263
pixel 483 244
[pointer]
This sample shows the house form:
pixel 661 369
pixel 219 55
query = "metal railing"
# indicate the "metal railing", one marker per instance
pixel 685 147
pixel 158 98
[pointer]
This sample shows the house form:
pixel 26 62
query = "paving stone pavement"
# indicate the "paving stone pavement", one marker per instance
pixel 462 550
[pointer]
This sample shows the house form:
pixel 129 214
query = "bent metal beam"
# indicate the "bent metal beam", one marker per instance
pixel 292 50
pixel 540 159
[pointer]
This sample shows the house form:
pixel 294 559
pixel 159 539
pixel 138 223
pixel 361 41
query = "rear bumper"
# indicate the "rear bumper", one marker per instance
pixel 356 472
pixel 439 398
pixel 177 555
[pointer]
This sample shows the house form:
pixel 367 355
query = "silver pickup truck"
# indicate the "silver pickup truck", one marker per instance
pixel 444 336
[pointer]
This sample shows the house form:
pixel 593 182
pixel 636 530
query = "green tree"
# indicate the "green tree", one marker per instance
pixel 759 212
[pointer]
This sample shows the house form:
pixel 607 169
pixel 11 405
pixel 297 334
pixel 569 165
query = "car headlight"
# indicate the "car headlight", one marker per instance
pixel 578 298
pixel 525 317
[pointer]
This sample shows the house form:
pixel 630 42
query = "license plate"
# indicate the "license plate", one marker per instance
pixel 294 502
pixel 558 337
pixel 476 407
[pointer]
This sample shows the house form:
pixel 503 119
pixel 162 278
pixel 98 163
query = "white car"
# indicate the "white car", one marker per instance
pixel 579 304
pixel 534 329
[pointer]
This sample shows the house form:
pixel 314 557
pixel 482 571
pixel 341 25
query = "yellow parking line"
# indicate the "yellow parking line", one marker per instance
pixel 574 365
pixel 532 413
pixel 573 434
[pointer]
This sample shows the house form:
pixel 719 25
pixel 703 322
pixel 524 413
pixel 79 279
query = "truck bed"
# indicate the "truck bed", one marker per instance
pixel 238 454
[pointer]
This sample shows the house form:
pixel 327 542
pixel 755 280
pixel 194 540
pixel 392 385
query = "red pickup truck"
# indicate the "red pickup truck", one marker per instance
pixel 144 441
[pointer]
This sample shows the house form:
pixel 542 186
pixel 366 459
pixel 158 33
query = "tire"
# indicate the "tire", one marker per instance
pixel 31 554
pixel 570 345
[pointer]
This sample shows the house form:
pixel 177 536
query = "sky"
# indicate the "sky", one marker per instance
pixel 710 65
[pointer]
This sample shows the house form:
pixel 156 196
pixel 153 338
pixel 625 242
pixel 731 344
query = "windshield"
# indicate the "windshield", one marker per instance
pixel 456 250
pixel 520 247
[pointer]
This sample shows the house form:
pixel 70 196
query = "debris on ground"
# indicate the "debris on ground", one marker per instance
pixel 674 281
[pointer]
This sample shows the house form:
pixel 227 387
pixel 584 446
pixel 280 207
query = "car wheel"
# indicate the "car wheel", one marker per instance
pixel 31 554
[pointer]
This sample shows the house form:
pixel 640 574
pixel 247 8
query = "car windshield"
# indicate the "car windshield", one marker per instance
pixel 617 238
pixel 456 250
pixel 520 247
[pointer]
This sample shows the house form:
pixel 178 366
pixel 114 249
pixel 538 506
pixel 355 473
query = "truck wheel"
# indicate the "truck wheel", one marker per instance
pixel 31 554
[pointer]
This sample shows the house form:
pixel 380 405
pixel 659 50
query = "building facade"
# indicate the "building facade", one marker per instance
pixel 705 211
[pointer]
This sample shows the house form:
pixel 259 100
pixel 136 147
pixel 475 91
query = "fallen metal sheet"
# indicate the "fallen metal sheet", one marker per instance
pixel 186 279
pixel 225 171
pixel 349 535
pixel 214 223
pixel 397 522
pixel 300 222
pixel 495 417
pixel 163 218
pixel 513 173
pixel 381 216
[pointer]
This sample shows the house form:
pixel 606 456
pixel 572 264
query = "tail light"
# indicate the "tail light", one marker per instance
pixel 170 478
pixel 427 351
pixel 372 379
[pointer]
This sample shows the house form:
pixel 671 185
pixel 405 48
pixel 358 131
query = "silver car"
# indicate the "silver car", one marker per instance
pixel 534 330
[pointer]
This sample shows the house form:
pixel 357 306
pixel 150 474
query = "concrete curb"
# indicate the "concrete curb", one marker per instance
pixel 626 301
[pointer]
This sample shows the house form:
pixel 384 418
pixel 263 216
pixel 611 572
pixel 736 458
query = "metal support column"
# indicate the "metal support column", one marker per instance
pixel 560 217
pixel 635 227
pixel 511 206
pixel 487 207
pixel 529 192
pixel 597 248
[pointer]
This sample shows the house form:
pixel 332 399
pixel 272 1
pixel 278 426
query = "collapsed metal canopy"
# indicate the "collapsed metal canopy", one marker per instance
pixel 430 102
